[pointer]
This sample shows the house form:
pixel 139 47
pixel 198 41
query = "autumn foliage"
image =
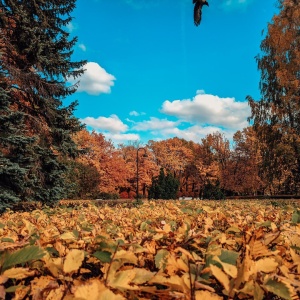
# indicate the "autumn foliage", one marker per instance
pixel 103 168
pixel 189 250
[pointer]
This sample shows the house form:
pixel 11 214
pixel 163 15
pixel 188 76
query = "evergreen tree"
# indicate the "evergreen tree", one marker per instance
pixel 16 156
pixel 36 129
pixel 164 186
pixel 276 116
pixel 213 191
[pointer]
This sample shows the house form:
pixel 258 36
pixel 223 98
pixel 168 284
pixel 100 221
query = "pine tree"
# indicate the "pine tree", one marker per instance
pixel 35 58
pixel 16 156
pixel 276 116
pixel 164 186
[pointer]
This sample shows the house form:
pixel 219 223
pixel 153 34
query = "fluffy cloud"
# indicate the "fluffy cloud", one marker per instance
pixel 112 128
pixel 82 47
pixel 192 119
pixel 194 133
pixel 155 124
pixel 95 80
pixel 209 109
pixel 111 124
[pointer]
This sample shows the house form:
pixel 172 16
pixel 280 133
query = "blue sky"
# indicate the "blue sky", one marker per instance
pixel 152 74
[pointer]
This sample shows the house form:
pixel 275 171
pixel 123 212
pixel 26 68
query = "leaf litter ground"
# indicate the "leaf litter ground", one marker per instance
pixel 158 250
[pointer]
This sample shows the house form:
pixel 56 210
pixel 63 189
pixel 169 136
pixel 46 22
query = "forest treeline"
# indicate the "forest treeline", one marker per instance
pixel 104 169
pixel 47 155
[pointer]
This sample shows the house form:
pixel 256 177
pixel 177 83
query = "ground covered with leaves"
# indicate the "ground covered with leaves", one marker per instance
pixel 157 250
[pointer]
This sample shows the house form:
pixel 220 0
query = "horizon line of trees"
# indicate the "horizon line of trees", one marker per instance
pixel 212 167
pixel 46 155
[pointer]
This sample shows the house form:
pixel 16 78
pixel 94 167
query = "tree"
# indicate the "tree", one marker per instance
pixel 82 181
pixel 16 155
pixel 241 175
pixel 147 168
pixel 164 186
pixel 276 117
pixel 102 155
pixel 35 63
pixel 213 191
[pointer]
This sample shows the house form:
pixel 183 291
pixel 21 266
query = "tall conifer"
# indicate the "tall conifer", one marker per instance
pixel 35 137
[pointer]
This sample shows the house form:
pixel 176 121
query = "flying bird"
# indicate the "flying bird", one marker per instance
pixel 198 10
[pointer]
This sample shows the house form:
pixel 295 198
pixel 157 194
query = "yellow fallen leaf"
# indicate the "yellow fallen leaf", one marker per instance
pixel 126 257
pixel 53 264
pixel 109 295
pixel 201 286
pixel 206 295
pixel 295 256
pixel 122 280
pixel 88 291
pixel 40 284
pixel 21 292
pixel 73 260
pixel 3 279
pixel 18 273
pixel 56 294
pixel 94 290
pixel 221 277
pixel 29 228
pixel 167 228
pixel 68 236
pixel 229 269
pixel 266 265
pixel 175 282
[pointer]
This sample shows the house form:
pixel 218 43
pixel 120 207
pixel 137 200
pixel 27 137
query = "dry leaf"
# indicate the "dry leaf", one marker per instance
pixel 266 265
pixel 206 295
pixel 19 273
pixel 227 268
pixel 73 260
pixel 221 277
pixel 2 292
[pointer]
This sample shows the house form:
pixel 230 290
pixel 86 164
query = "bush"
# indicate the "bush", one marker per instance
pixel 124 195
pixel 164 186
pixel 213 191
pixel 108 196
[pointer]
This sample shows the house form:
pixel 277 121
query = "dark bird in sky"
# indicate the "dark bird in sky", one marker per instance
pixel 198 10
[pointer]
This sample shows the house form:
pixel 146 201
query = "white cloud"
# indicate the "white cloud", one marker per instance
pixel 118 138
pixel 95 80
pixel 134 113
pixel 71 27
pixel 155 124
pixel 207 109
pixel 195 133
pixel 82 47
pixel 111 124
pixel 200 92
pixel 235 4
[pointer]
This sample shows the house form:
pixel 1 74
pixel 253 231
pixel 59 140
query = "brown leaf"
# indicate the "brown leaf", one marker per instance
pixel 2 292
